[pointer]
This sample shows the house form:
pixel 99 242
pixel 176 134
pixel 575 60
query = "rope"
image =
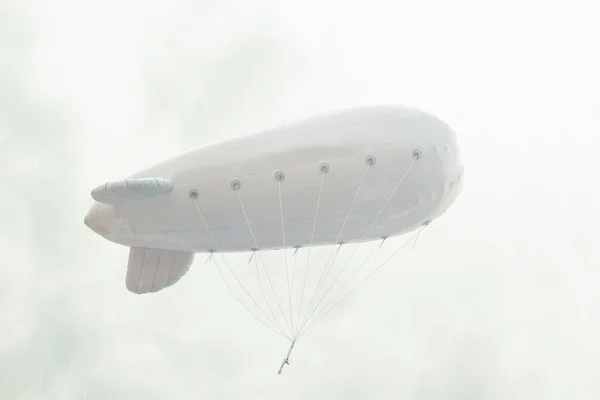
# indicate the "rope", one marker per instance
pixel 337 240
pixel 262 261
pixel 312 236
pixel 287 275
pixel 364 236
pixel 313 313
pixel 262 289
pixel 331 285
pixel 286 360
pixel 216 246
pixel 243 305
pixel 356 287
pixel 292 285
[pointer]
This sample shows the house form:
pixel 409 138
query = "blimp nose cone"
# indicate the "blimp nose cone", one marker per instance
pixel 98 218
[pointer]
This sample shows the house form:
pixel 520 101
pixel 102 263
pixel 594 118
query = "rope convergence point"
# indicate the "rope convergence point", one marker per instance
pixel 355 178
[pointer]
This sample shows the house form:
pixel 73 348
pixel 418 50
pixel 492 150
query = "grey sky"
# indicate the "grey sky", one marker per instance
pixel 499 299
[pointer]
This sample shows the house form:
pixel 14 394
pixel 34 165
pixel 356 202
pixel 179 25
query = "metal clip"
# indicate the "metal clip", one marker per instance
pixel 286 360
pixel 382 241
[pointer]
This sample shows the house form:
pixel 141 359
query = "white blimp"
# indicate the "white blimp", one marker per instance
pixel 354 176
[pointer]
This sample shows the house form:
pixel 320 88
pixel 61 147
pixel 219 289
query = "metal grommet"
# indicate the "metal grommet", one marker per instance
pixel 370 160
pixel 279 176
pixel 416 154
pixel 324 168
pixel 236 185
pixel 427 222
pixel 193 194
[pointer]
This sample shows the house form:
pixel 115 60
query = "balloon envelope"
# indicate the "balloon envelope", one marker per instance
pixel 355 175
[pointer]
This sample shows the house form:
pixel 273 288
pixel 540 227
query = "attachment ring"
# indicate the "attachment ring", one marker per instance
pixel 324 167
pixel 236 185
pixel 279 176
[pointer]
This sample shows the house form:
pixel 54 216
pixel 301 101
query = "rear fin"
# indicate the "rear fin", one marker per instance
pixel 151 270
pixel 127 190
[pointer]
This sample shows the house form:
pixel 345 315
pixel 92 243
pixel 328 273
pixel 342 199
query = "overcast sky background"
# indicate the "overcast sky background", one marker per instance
pixel 499 300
